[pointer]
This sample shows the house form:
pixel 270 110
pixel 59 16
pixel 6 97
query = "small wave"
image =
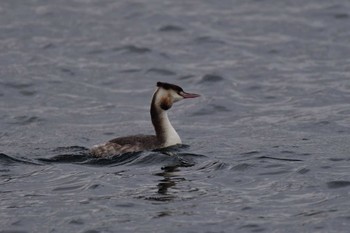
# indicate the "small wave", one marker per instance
pixel 126 49
pixel 116 160
pixel 341 16
pixel 188 76
pixel 174 149
pixel 253 152
pixel 219 108
pixel 67 71
pixel 213 165
pixel 132 49
pixel 281 159
pixel 68 154
pixel 210 109
pixel 26 120
pixel 48 46
pixel 167 160
pixel 130 70
pixel 171 156
pixel 253 227
pixel 279 172
pixel 16 85
pixel 338 184
pixel 170 28
pixel 27 93
pixel 210 78
pixel 303 170
pixel 161 71
pixel 242 166
pixel 208 40
pixel 9 160
pixel 257 155
pixel 66 158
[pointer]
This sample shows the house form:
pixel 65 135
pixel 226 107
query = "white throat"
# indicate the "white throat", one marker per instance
pixel 170 135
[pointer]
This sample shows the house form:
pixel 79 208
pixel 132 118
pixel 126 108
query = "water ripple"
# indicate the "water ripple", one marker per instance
pixel 132 49
pixel 168 157
pixel 9 160
pixel 338 184
pixel 269 135
pixel 211 78
pixel 171 28
pixel 161 71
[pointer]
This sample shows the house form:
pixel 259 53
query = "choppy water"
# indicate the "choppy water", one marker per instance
pixel 267 143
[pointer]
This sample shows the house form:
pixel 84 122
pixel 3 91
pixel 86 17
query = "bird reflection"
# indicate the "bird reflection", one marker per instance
pixel 168 181
pixel 170 177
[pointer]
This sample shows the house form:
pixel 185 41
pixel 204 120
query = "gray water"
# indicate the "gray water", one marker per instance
pixel 266 146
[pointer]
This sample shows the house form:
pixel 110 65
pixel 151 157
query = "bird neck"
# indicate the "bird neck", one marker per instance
pixel 165 132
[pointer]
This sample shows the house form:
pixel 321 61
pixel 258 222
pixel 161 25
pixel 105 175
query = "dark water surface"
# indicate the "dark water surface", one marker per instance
pixel 268 143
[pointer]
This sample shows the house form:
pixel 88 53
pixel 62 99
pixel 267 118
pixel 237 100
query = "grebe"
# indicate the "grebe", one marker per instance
pixel 162 100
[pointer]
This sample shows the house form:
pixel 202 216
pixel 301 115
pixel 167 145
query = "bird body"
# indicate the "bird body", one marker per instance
pixel 163 99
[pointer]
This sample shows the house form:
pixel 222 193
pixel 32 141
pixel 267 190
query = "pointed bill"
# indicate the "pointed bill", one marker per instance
pixel 188 95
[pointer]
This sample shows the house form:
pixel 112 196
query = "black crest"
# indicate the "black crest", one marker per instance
pixel 168 86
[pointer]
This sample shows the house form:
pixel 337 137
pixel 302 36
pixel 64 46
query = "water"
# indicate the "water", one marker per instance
pixel 267 144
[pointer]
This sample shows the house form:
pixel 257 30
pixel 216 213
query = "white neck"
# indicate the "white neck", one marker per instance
pixel 165 132
pixel 169 134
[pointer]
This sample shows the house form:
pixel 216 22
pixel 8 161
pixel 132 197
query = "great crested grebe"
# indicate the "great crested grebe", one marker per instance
pixel 162 100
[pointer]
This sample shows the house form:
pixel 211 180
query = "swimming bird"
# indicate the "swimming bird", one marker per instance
pixel 163 99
